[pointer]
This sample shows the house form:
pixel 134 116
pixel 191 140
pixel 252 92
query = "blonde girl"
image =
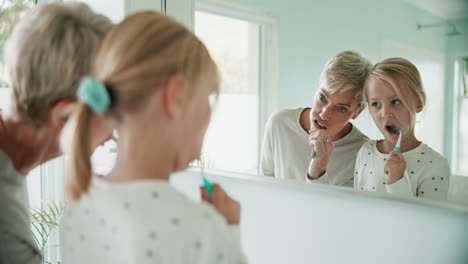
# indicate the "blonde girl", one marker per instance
pixel 151 82
pixel 395 94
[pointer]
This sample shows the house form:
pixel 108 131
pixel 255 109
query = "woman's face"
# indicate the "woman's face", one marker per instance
pixel 331 112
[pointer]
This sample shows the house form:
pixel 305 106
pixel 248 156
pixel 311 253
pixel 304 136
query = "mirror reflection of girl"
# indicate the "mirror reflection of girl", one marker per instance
pixel 395 95
pixel 151 81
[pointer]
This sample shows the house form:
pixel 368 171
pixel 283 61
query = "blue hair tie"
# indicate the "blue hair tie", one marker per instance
pixel 95 94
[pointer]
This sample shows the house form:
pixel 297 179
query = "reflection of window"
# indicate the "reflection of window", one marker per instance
pixel 231 142
pixel 10 13
pixel 461 125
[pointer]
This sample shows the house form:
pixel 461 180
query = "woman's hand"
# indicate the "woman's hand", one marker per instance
pixel 323 147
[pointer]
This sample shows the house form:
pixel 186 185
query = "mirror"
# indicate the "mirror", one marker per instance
pixel 271 54
pixel 248 38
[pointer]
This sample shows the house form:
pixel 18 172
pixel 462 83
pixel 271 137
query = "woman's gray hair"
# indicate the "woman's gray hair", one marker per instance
pixel 48 53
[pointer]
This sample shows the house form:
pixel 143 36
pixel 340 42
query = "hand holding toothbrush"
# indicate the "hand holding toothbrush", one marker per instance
pixel 396 164
pixel 322 150
pixel 224 204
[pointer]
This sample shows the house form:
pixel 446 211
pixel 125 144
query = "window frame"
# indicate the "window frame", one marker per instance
pixel 458 97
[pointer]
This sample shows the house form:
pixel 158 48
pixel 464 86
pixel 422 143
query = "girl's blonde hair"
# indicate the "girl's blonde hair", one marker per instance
pixel 137 56
pixel 48 53
pixel 346 71
pixel 404 78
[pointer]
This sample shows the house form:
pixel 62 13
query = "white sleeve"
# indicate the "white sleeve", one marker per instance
pixel 225 245
pixel 357 170
pixel 402 187
pixel 435 182
pixel 321 179
pixel 235 234
pixel 267 164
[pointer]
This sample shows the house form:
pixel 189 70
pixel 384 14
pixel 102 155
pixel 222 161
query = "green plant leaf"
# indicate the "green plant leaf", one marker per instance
pixel 44 220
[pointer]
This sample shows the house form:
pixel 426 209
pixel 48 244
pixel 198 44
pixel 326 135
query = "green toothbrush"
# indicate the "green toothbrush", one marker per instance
pixel 397 146
pixel 206 183
pixel 208 188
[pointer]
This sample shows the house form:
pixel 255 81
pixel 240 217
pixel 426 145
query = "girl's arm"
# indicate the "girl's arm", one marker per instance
pixel 398 181
pixel 402 187
pixel 224 244
pixel 435 180
pixel 357 171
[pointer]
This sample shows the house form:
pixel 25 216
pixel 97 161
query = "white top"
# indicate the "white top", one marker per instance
pixel 17 244
pixel 286 152
pixel 427 172
pixel 145 221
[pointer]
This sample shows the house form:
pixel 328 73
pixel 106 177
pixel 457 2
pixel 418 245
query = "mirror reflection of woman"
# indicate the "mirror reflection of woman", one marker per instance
pixel 320 144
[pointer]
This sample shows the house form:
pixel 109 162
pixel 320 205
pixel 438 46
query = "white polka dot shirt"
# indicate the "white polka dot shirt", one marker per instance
pixel 427 172
pixel 145 221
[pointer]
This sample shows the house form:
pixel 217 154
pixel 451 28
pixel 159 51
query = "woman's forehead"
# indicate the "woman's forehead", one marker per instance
pixel 342 96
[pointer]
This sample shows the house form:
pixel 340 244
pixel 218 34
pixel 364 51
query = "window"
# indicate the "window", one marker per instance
pixel 236 41
pixel 460 144
pixel 11 12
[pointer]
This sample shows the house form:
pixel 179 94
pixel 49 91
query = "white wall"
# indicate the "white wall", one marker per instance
pixel 287 222
pixel 311 31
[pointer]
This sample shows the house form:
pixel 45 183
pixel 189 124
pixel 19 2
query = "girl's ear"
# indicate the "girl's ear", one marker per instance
pixel 173 96
pixel 420 106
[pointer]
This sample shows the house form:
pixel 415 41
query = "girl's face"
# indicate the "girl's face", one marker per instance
pixel 197 118
pixel 331 112
pixel 387 110
pixel 170 125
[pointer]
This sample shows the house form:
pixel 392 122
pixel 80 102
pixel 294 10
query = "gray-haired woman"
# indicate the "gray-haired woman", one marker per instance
pixel 48 53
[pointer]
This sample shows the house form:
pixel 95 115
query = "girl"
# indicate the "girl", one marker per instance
pixel 395 94
pixel 151 82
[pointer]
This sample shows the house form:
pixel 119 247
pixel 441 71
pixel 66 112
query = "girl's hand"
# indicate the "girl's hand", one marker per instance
pixel 323 148
pixel 224 204
pixel 395 167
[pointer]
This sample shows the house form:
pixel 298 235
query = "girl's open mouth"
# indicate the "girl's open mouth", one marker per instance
pixel 393 130
pixel 317 125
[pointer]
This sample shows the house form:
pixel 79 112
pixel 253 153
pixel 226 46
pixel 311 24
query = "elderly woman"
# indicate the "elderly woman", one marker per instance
pixel 47 55
pixel 320 144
